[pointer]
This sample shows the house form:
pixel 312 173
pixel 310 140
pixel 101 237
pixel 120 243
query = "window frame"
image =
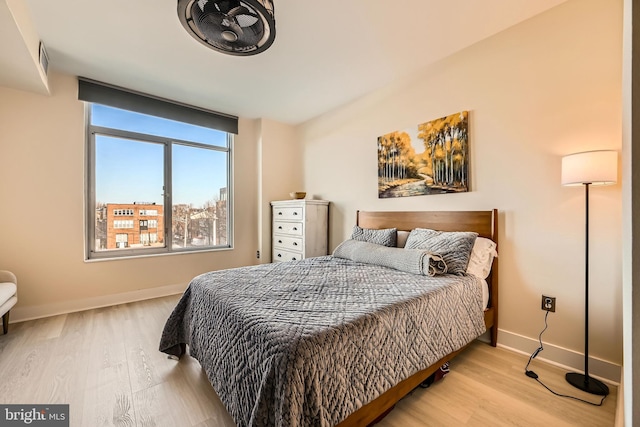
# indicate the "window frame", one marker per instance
pixel 90 194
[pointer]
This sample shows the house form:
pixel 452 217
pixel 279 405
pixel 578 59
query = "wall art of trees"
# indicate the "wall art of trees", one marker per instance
pixel 442 166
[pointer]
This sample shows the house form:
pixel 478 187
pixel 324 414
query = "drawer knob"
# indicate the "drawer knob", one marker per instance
pixel 279 213
pixel 279 255
pixel 293 259
pixel 295 243
pixel 279 241
pixel 295 228
pixel 280 228
pixel 295 213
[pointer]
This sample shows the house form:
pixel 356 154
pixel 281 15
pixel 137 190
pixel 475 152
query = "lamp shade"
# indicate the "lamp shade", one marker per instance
pixel 590 167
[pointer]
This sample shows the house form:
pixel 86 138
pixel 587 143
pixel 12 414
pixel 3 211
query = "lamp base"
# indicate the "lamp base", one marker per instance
pixel 588 384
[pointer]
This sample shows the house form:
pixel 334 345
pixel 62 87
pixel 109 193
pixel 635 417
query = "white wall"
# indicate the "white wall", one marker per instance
pixel 542 89
pixel 279 173
pixel 42 153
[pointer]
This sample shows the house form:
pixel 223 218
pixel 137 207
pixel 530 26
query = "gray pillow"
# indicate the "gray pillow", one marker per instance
pixel 384 236
pixel 454 246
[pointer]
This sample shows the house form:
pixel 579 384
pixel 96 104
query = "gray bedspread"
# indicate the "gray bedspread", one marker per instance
pixel 306 343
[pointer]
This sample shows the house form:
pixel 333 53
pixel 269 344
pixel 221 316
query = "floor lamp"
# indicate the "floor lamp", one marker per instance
pixel 588 168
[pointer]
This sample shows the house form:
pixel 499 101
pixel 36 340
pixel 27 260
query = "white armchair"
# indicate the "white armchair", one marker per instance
pixel 8 296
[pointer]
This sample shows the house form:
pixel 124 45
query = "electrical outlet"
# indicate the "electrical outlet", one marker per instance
pixel 258 254
pixel 548 303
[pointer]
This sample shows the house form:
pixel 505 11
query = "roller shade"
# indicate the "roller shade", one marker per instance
pixel 113 96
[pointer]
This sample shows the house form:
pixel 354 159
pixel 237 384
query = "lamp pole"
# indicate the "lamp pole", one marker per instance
pixel 585 382
pixel 586 284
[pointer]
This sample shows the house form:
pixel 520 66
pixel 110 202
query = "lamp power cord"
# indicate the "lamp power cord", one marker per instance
pixel 533 375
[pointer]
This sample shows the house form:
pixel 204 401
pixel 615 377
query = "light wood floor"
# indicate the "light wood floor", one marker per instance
pixel 105 363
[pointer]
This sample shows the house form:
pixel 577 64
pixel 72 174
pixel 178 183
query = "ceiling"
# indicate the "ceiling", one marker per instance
pixel 326 53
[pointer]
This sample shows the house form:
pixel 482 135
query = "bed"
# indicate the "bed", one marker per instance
pixel 327 340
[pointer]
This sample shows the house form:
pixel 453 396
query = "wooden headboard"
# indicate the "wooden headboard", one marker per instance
pixel 485 223
pixel 482 222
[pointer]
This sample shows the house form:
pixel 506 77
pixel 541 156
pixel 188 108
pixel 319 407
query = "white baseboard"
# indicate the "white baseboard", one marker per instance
pixel 21 314
pixel 561 357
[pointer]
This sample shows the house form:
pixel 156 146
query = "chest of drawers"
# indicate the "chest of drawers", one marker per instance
pixel 299 229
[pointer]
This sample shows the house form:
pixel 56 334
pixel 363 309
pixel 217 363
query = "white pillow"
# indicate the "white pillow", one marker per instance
pixel 481 259
pixel 402 238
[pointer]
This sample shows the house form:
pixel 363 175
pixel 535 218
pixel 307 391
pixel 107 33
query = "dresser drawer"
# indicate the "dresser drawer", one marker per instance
pixel 288 227
pixel 282 255
pixel 288 243
pixel 285 212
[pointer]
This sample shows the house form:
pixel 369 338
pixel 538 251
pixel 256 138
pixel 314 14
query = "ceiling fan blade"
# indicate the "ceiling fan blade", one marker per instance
pixel 226 6
pixel 239 10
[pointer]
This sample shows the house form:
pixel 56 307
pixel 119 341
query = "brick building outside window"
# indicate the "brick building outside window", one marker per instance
pixel 133 225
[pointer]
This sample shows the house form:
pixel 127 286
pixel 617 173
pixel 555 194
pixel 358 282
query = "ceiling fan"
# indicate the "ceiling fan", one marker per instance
pixel 234 27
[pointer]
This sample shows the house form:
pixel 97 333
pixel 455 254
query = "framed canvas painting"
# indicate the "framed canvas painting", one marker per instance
pixel 431 158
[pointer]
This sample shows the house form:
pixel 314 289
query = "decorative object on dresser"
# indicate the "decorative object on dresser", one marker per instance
pixel 298 195
pixel 588 168
pixel 299 229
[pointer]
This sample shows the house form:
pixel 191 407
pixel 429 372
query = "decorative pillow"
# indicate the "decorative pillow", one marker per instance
pixel 384 236
pixel 402 238
pixel 454 246
pixel 481 259
pixel 414 261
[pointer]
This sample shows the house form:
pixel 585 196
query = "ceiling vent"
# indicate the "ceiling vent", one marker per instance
pixel 43 59
pixel 234 27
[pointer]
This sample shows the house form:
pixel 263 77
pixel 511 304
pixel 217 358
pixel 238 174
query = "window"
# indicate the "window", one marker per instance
pixel 141 166
pixel 123 224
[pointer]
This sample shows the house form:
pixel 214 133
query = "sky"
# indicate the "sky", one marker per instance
pixel 130 171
